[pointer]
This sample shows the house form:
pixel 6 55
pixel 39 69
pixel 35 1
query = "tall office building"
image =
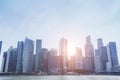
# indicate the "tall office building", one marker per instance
pixel 11 61
pixel 98 62
pixel 28 51
pixel 4 61
pixel 19 56
pixel 79 59
pixel 109 63
pixel 54 62
pixel 0 46
pixel 89 55
pixel 63 51
pixel 112 56
pixel 99 43
pixel 37 55
pixel 44 60
pixel 113 53
pixel 53 52
pixel 104 57
pixel 100 56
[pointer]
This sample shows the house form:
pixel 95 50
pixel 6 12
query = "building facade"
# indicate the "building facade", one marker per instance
pixel 0 46
pixel 112 56
pixel 11 61
pixel 63 52
pixel 37 55
pixel 28 56
pixel 44 60
pixel 4 60
pixel 79 59
pixel 104 58
pixel 19 57
pixel 98 62
pixel 101 57
pixel 54 64
pixel 89 55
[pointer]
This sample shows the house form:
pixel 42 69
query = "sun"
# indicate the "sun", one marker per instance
pixel 71 50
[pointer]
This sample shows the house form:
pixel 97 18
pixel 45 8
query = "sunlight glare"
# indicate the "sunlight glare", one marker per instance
pixel 71 50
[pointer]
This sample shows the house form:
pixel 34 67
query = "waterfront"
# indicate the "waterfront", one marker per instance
pixel 64 77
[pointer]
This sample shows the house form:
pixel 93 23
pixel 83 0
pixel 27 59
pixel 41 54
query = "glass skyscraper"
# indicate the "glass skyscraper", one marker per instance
pixel 28 51
pixel 37 55
pixel 112 56
pixel 113 53
pixel 89 55
pixel 11 60
pixel 0 46
pixel 19 56
pixel 4 61
pixel 63 52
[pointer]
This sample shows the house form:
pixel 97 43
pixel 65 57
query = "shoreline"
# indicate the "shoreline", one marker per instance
pixel 35 74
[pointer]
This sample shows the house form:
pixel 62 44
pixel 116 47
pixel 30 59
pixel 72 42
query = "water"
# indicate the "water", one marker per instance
pixel 86 77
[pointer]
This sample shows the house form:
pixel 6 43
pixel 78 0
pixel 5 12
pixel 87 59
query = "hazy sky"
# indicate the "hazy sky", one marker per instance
pixel 50 20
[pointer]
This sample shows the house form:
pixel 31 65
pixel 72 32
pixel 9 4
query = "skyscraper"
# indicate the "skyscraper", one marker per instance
pixel 113 53
pixel 112 56
pixel 28 56
pixel 37 55
pixel 101 57
pixel 54 62
pixel 19 56
pixel 89 55
pixel 104 57
pixel 63 51
pixel 4 61
pixel 53 52
pixel 98 56
pixel 99 43
pixel 0 46
pixel 79 59
pixel 98 62
pixel 11 61
pixel 44 60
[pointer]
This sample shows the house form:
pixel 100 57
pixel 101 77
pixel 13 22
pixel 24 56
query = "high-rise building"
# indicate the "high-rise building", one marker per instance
pixel 11 61
pixel 109 63
pixel 99 43
pixel 53 52
pixel 79 59
pixel 0 46
pixel 19 56
pixel 112 56
pixel 4 61
pixel 44 60
pixel 63 52
pixel 28 51
pixel 100 56
pixel 104 58
pixel 89 55
pixel 113 53
pixel 54 64
pixel 98 62
pixel 72 63
pixel 37 55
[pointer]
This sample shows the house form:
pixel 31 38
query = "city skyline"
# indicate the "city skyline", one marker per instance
pixel 22 58
pixel 51 20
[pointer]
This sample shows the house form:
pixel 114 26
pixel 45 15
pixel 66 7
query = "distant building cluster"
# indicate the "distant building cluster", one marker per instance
pixel 30 57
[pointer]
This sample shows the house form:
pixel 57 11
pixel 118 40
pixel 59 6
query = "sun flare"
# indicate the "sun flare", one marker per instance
pixel 71 50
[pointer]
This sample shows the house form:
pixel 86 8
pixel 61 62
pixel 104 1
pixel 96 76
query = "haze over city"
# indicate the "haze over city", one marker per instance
pixel 50 20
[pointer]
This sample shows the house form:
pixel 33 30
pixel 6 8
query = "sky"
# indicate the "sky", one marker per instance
pixel 50 20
